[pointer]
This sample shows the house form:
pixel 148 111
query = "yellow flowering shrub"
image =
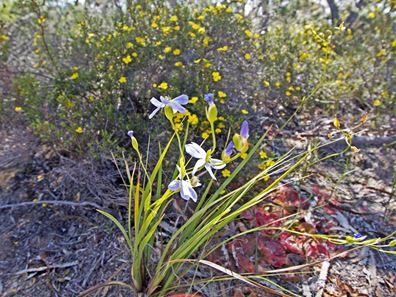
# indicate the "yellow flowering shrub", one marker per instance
pixel 123 60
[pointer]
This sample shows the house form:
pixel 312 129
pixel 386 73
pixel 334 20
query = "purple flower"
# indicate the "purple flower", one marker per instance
pixel 358 236
pixel 230 148
pixel 245 130
pixel 185 186
pixel 209 98
pixel 175 104
pixel 130 133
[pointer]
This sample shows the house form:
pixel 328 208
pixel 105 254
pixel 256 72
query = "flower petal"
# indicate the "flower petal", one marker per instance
pixel 245 130
pixel 217 164
pixel 209 169
pixel 182 99
pixel 195 150
pixel 187 192
pixel 175 185
pixel 176 107
pixel 209 98
pixel 230 148
pixel 157 103
pixel 164 100
pixel 199 164
pixel 154 112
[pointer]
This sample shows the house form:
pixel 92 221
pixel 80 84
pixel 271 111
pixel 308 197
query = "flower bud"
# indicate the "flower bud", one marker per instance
pixel 225 157
pixel 135 143
pixel 238 142
pixel 211 113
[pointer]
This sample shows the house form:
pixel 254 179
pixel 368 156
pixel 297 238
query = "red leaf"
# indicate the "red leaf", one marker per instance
pixel 245 263
pixel 272 251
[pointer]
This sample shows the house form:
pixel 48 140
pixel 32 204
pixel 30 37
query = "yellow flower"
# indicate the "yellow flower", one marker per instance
pixel 166 30
pixel 221 94
pixel 278 84
pixel 239 17
pixel 127 28
pixel 394 43
pixel 288 93
pixel 266 83
pixel 193 100
pixel 173 18
pixel 79 130
pixel 18 109
pixel 206 41
pixel 263 155
pixel 193 119
pixel 178 127
pixel 177 52
pixel 376 102
pixel 134 55
pixel 201 30
pixel 168 49
pixel 244 111
pixel 216 76
pixel 41 20
pixel 179 64
pixel 243 155
pixel 248 33
pixel 3 37
pixel 247 56
pixel 380 53
pixel 122 80
pixel 195 26
pixel 269 163
pixel 217 130
pixel 176 28
pixel 222 49
pixel 154 25
pixel 127 59
pixel 163 86
pixel 205 135
pixel 74 76
pixel 226 172
pixel 371 15
pixel 141 41
pixel 129 45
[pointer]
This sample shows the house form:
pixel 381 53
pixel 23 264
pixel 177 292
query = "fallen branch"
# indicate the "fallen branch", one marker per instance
pixel 43 268
pixel 54 202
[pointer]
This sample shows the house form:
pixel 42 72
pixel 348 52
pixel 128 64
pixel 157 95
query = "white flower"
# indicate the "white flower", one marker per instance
pixel 185 186
pixel 203 160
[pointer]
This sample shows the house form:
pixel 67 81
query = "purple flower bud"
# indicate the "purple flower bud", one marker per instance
pixel 357 235
pixel 130 133
pixel 230 148
pixel 245 130
pixel 209 98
